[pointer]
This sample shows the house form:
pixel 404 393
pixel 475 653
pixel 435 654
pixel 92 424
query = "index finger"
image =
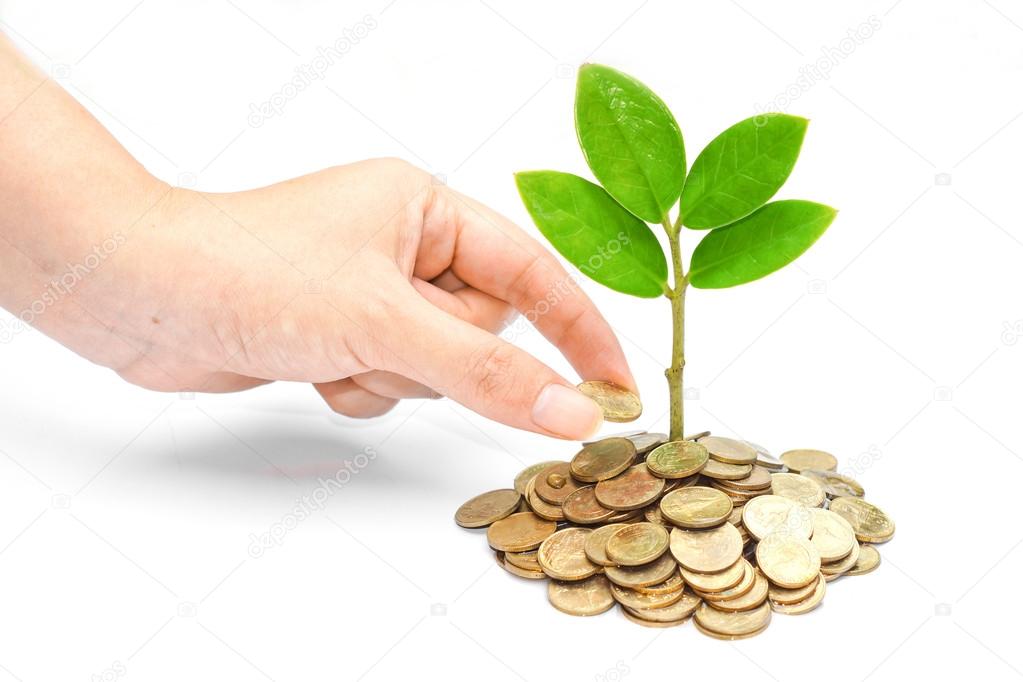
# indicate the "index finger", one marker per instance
pixel 492 254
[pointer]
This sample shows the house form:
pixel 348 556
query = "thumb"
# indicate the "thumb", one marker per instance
pixel 489 375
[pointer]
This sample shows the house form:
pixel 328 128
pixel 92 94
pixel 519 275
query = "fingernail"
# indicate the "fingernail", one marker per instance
pixel 567 412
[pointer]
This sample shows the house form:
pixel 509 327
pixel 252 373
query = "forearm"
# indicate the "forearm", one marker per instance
pixel 70 197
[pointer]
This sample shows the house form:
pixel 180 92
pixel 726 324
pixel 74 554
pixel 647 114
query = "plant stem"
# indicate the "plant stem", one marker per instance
pixel 677 296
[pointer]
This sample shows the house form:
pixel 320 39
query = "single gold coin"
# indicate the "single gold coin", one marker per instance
pixel 636 577
pixel 645 442
pixel 524 560
pixel 675 612
pixel 524 476
pixel 769 514
pixel 798 488
pixel 677 459
pixel 733 623
pixel 788 560
pixel 618 404
pixel 706 551
pixel 868 521
pixel 808 604
pixel 725 471
pixel 562 557
pixel 834 569
pixel 783 595
pixel 582 507
pixel 729 450
pixel 719 581
pixel 640 600
pixel 543 509
pixel 758 479
pixel 798 460
pixel 603 459
pixel 630 615
pixel 484 509
pixel 635 488
pixel 587 597
pixel 727 638
pixel 751 599
pixel 637 544
pixel 596 543
pixel 696 507
pixel 519 532
pixel 674 582
pixel 744 585
pixel 522 572
pixel 833 537
pixel 555 483
pixel 835 485
pixel 868 559
pixel 653 514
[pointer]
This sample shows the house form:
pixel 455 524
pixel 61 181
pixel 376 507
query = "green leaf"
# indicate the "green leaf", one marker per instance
pixel 630 140
pixel 741 169
pixel 765 241
pixel 589 228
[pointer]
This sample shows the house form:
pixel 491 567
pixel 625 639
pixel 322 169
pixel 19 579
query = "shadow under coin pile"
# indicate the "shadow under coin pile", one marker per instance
pixel 707 527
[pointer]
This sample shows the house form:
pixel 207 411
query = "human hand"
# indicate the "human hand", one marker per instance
pixel 411 282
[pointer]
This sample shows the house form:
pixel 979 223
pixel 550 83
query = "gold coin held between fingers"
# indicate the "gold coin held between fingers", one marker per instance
pixel 652 573
pixel 797 460
pixel 524 476
pixel 596 543
pixel 868 559
pixel 633 489
pixel 768 514
pixel 618 404
pixel 484 509
pixel 519 532
pixel 798 488
pixel 835 485
pixel 677 459
pixel 587 597
pixel 637 544
pixel 603 459
pixel 562 557
pixel 788 560
pixel 706 551
pixel 868 521
pixel 729 450
pixel 696 507
pixel 832 535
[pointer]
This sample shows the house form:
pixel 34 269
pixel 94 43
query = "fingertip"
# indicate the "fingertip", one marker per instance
pixel 565 412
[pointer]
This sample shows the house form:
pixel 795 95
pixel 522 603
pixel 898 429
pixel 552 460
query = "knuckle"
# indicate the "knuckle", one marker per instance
pixel 492 367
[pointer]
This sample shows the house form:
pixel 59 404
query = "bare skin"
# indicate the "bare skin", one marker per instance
pixel 369 281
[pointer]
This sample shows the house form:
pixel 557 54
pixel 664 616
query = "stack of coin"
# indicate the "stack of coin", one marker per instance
pixel 708 528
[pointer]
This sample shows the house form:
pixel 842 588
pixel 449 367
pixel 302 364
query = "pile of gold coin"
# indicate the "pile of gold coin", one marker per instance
pixel 708 528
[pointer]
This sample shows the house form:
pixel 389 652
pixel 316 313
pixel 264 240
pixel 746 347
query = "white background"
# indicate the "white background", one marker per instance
pixel 126 516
